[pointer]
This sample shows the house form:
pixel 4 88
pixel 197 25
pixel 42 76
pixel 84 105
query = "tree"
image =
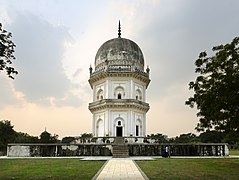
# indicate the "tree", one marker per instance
pixel 25 138
pixel 86 137
pixel 7 134
pixel 186 138
pixel 216 89
pixel 211 137
pixel 159 138
pixel 6 52
pixel 46 137
pixel 68 139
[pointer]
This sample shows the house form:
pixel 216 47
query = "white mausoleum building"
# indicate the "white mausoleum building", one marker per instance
pixel 119 84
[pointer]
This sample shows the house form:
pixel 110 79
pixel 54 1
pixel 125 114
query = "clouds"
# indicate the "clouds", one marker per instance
pixel 175 34
pixel 39 53
pixel 57 42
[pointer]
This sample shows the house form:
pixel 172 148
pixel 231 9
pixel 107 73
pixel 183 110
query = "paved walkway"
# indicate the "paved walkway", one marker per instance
pixel 118 169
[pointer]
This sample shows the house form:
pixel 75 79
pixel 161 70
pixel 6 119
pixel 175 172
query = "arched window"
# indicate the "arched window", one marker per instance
pixel 138 95
pixel 119 123
pixel 100 95
pixel 119 92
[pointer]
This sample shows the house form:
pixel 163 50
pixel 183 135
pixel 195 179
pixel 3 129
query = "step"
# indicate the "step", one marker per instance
pixel 120 151
pixel 120 148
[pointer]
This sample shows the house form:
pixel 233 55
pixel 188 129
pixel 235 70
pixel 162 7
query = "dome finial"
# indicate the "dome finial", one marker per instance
pixel 119 31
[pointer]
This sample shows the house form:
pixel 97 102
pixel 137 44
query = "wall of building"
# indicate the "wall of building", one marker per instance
pixel 105 149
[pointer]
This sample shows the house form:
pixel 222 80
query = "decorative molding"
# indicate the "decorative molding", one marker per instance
pixel 119 104
pixel 141 76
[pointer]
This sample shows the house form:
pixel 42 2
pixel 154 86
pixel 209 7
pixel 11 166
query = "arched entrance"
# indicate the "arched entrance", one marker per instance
pixel 119 128
pixel 138 128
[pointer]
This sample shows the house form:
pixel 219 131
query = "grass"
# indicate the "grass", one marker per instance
pixel 48 168
pixel 167 168
pixel 234 152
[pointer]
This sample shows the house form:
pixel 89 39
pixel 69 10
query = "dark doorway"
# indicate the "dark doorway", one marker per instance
pixel 119 96
pixel 137 130
pixel 119 131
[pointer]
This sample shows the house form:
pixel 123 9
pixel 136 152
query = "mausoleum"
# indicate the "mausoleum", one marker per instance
pixel 119 83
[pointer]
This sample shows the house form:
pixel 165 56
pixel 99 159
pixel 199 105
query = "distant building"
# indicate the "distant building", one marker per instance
pixel 119 85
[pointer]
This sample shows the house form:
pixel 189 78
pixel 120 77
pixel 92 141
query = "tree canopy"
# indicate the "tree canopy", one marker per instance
pixel 216 89
pixel 7 134
pixel 6 52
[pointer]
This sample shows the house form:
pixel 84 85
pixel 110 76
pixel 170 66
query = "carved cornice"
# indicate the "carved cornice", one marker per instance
pixel 97 76
pixel 119 104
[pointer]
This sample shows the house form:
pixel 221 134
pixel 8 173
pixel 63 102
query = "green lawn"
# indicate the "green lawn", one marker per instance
pixel 167 168
pixel 234 152
pixel 48 168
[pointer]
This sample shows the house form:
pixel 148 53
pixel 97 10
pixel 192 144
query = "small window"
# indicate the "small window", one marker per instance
pixel 137 97
pixel 119 96
pixel 101 97
pixel 119 123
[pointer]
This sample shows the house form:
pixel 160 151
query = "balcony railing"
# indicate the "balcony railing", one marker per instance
pixel 119 102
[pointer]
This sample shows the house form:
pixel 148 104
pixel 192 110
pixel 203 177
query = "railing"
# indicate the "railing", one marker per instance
pixel 119 68
pixel 119 102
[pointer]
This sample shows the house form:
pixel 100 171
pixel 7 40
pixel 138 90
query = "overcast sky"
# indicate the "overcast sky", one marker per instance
pixel 58 40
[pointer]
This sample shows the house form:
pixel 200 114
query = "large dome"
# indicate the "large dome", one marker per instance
pixel 119 52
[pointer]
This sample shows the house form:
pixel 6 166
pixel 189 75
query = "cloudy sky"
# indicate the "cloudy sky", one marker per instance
pixel 58 40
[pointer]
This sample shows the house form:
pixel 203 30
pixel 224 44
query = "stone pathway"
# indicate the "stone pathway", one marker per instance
pixel 118 169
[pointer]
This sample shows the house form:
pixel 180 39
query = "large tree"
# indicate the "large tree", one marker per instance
pixel 216 89
pixel 6 52
pixel 7 134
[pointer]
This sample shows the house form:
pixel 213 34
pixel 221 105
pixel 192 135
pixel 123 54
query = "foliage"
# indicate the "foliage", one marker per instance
pixel 86 137
pixel 159 138
pixel 7 134
pixel 216 89
pixel 186 138
pixel 46 137
pixel 25 138
pixel 211 137
pixel 186 168
pixel 68 139
pixel 6 52
pixel 48 168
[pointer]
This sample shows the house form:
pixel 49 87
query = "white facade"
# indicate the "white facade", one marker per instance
pixel 119 90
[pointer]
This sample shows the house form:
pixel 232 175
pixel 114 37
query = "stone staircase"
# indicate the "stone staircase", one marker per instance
pixel 120 148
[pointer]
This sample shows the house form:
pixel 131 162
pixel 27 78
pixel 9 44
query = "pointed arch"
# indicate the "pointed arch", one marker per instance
pixel 138 95
pixel 138 128
pixel 119 92
pixel 119 126
pixel 100 94
pixel 100 128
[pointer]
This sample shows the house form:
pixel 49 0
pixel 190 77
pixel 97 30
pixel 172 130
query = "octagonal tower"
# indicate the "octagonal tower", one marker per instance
pixel 119 85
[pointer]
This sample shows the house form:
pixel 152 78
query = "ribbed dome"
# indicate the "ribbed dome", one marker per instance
pixel 119 52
